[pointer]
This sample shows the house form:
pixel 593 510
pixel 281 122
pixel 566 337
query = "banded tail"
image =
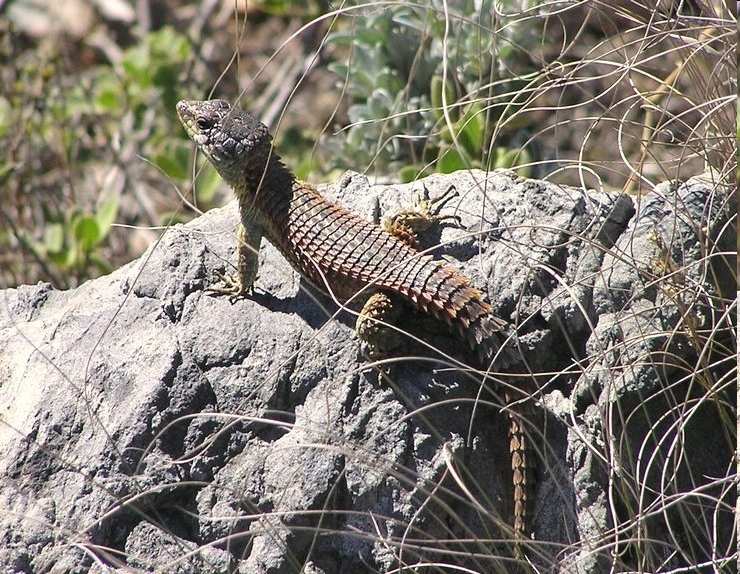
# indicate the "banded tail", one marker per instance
pixel 440 289
pixel 523 481
pixel 445 292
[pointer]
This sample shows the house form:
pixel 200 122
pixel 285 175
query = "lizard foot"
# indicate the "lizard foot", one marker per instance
pixel 378 340
pixel 231 285
pixel 431 208
pixel 408 224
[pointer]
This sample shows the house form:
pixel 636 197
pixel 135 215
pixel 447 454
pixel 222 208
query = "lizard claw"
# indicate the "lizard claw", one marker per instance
pixel 435 206
pixel 230 285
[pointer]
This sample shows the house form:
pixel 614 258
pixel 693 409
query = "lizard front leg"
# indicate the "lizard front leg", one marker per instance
pixel 249 238
pixel 408 224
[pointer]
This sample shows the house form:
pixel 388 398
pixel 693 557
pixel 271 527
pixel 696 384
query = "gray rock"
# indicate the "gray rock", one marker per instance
pixel 654 394
pixel 148 426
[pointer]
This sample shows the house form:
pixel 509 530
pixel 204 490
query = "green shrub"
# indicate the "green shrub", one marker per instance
pixel 62 125
pixel 425 92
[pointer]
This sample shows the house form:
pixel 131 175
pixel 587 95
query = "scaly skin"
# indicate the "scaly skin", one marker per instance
pixel 342 253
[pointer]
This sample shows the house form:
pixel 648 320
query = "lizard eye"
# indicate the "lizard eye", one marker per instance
pixel 204 123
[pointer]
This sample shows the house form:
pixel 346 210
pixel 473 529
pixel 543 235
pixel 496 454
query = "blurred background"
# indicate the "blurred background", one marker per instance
pixel 94 163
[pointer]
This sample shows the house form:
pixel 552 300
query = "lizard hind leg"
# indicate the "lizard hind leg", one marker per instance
pixel 378 338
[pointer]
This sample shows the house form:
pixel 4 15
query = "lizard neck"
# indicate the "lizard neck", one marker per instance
pixel 264 189
pixel 267 176
pixel 265 181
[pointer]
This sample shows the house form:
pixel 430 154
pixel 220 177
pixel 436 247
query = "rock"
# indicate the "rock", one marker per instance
pixel 148 425
pixel 652 397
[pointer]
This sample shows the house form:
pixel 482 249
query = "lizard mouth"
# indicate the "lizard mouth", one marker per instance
pixel 187 118
pixel 184 112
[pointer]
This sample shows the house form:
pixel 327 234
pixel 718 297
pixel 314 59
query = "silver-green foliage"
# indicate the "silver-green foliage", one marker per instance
pixel 426 85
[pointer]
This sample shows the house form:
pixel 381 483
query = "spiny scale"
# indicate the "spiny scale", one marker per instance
pixel 352 252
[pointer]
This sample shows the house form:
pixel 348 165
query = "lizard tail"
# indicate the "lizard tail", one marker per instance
pixel 446 293
pixel 522 477
pixel 486 333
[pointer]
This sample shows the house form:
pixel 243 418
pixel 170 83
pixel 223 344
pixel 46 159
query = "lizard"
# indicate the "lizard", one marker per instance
pixel 344 254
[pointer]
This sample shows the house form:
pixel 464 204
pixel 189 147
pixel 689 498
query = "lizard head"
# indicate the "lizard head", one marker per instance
pixel 228 136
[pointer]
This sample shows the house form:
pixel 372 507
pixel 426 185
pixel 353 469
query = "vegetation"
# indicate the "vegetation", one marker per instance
pixel 71 138
pixel 426 90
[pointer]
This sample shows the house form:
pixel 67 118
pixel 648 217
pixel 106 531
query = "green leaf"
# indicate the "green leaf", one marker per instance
pixel 165 76
pixel 407 173
pixel 524 158
pixel 109 96
pixel 54 237
pixel 207 184
pixel 5 116
pixel 472 130
pixel 341 38
pixel 136 64
pixel 106 214
pixel 339 69
pixel 511 158
pixel 107 100
pixel 450 160
pixel 71 259
pixel 87 233
pixel 281 7
pixel 363 79
pixel 445 135
pixel 175 161
pixel 504 158
pixel 370 36
pixel 389 81
pixel 307 165
pixel 63 259
pixel 436 96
